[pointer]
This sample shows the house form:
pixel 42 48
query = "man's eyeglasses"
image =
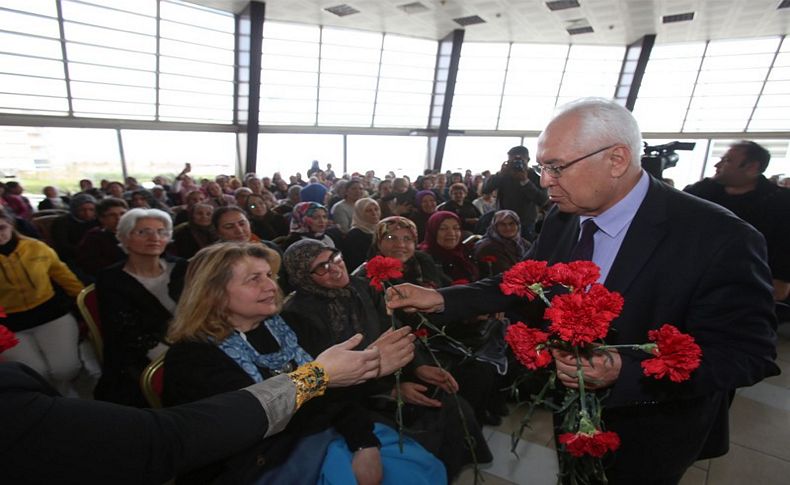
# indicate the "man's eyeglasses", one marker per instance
pixel 556 170
pixel 148 232
pixel 323 268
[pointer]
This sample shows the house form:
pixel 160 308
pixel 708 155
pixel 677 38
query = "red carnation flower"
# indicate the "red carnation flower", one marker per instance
pixel 576 274
pixel 7 339
pixel 596 444
pixel 490 259
pixel 524 279
pixel 381 268
pixel 676 354
pixel 583 317
pixel 524 342
pixel 421 333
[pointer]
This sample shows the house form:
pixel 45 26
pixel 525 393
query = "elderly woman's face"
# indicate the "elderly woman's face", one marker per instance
pixel 201 215
pixel 428 204
pixel 329 271
pixel 148 238
pixel 507 228
pixel 399 244
pixel 233 226
pixel 251 291
pixel 318 221
pixel 448 235
pixel 372 213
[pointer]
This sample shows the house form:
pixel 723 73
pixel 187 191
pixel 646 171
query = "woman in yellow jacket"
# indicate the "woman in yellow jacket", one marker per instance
pixel 40 317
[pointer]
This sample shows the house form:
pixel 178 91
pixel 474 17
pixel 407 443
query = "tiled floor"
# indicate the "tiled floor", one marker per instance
pixel 759 441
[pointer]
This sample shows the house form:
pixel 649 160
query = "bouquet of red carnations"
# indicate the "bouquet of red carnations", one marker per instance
pixel 578 321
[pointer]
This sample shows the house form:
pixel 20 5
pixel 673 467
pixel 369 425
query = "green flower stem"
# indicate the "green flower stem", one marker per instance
pixel 398 395
pixel 424 322
pixel 533 404
pixel 470 442
pixel 580 376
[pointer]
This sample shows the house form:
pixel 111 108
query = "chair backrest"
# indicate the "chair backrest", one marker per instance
pixel 49 212
pixel 88 304
pixel 43 225
pixel 152 381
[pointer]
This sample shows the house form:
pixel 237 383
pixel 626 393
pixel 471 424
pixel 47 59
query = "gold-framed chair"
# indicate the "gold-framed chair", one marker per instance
pixel 152 381
pixel 88 304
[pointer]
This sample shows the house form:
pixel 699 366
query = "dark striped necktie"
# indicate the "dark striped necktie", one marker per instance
pixel 583 251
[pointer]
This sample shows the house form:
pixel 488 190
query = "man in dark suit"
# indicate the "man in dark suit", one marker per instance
pixel 675 259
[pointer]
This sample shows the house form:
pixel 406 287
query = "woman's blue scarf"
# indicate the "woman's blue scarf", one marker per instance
pixel 242 352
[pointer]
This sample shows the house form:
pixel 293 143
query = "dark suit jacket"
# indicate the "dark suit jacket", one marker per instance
pixel 46 438
pixel 686 262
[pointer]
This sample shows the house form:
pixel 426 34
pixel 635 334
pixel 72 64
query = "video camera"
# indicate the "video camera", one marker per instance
pixel 517 164
pixel 660 157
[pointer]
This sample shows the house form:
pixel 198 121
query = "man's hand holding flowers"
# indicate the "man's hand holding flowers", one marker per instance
pixel 600 371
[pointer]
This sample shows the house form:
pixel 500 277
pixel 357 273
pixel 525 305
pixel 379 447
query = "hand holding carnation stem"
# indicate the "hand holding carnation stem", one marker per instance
pixel 600 371
pixel 578 321
pixel 412 298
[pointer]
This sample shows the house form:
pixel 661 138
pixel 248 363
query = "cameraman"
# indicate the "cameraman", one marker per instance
pixel 518 189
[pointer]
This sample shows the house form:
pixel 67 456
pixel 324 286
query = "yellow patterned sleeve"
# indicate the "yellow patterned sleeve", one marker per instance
pixel 310 380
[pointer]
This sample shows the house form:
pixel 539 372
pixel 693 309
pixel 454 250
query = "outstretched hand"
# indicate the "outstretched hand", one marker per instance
pixel 396 348
pixel 347 367
pixel 412 298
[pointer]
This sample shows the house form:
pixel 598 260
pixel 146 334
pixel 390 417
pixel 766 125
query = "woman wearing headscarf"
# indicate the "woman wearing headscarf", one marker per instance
pixel 68 230
pixel 356 244
pixel 424 207
pixel 228 335
pixel 46 329
pixel 137 298
pixel 309 220
pixel 396 238
pixel 195 234
pixel 328 306
pixel 264 223
pixel 443 242
pixel 502 245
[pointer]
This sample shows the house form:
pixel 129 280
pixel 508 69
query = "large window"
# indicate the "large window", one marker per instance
pixel 517 86
pixel 291 153
pixel 339 77
pixel 404 155
pixel 151 153
pixel 115 66
pixel 477 153
pixel 58 156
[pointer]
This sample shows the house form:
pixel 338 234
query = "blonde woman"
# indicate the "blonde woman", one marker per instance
pixel 228 335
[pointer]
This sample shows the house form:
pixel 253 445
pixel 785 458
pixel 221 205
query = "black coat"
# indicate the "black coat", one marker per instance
pixel 46 438
pixel 132 322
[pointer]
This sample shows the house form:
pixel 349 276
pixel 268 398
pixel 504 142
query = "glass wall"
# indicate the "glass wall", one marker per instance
pixel 404 155
pixel 37 157
pixel 292 153
pixel 151 153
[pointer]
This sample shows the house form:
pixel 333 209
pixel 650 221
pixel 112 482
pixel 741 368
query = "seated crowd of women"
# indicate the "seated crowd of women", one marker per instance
pixel 222 325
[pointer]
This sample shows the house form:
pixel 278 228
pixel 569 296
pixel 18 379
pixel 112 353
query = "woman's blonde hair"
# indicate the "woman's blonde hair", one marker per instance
pixel 201 311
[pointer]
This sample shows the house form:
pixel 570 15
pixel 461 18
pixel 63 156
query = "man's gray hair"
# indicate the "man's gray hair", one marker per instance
pixel 608 121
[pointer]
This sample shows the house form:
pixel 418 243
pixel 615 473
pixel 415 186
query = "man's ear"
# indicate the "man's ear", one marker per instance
pixel 619 160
